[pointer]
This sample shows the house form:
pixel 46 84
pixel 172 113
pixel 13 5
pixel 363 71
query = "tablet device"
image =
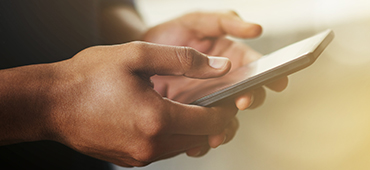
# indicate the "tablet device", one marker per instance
pixel 268 68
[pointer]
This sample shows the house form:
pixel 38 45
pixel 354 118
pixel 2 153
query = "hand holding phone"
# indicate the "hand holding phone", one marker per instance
pixel 270 67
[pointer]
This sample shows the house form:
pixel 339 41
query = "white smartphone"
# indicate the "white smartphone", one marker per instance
pixel 268 68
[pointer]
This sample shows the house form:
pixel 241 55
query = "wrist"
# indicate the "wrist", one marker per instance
pixel 24 103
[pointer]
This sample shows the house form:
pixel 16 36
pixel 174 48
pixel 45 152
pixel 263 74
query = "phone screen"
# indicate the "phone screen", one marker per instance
pixel 288 58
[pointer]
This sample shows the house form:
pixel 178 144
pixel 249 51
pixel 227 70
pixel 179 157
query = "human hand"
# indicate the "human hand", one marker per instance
pixel 206 32
pixel 102 103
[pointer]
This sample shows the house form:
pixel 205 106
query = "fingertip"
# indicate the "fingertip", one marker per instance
pixel 219 62
pixel 251 30
pixel 198 151
pixel 243 102
pixel 203 66
pixel 220 66
pixel 259 96
pixel 279 85
pixel 194 152
pixel 215 141
pixel 257 30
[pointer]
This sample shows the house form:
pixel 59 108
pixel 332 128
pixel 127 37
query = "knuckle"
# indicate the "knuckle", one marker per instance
pixel 153 121
pixel 91 50
pixel 145 154
pixel 139 49
pixel 231 12
pixel 137 44
pixel 186 55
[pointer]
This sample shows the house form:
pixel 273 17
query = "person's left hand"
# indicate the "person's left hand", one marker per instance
pixel 206 32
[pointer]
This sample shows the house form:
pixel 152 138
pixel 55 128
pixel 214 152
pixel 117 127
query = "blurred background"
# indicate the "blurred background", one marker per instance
pixel 322 119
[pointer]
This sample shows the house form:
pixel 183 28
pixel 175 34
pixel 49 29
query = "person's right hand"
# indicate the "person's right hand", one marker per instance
pixel 102 103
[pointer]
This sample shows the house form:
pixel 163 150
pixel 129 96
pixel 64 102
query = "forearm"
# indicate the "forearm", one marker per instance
pixel 120 23
pixel 23 104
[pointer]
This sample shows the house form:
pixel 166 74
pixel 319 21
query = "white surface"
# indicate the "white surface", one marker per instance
pixel 322 120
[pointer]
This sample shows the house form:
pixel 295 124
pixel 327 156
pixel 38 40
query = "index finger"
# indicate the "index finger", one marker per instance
pixel 214 24
pixel 198 120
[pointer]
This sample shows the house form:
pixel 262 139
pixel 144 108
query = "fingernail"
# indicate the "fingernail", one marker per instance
pixel 252 100
pixel 197 154
pixel 225 137
pixel 217 62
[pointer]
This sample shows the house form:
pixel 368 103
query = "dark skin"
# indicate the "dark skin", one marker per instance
pixel 206 32
pixel 107 101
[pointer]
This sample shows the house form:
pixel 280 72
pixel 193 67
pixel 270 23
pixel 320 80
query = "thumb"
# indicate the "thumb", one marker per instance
pixel 151 59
